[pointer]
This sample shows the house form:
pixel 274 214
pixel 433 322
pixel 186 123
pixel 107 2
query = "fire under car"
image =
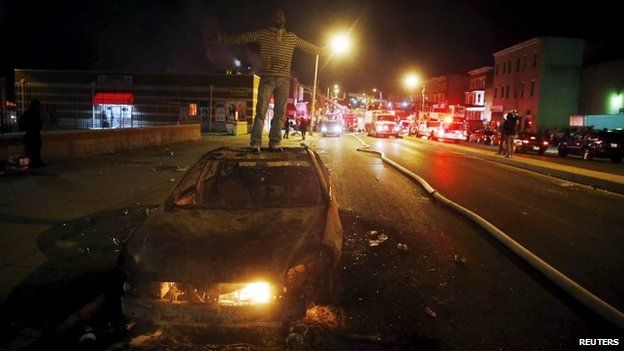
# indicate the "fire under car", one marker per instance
pixel 243 240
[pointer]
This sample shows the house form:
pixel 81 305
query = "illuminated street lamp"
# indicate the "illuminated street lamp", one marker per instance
pixel 411 81
pixel 375 90
pixel 339 45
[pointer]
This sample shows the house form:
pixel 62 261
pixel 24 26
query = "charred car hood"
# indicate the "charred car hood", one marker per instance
pixel 224 246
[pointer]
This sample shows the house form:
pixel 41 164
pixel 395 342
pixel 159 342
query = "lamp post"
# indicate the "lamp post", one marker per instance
pixel 380 94
pixel 423 98
pixel 340 44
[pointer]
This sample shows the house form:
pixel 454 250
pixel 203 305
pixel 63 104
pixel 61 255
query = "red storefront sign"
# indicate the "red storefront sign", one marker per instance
pixel 113 99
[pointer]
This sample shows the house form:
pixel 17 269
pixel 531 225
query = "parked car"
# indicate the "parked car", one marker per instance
pixel 243 240
pixel 593 143
pixel 484 136
pixel 534 142
pixel 334 128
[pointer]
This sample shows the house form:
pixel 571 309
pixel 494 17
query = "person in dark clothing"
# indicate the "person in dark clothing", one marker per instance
pixel 276 50
pixel 287 127
pixel 511 130
pixel 30 122
pixel 305 123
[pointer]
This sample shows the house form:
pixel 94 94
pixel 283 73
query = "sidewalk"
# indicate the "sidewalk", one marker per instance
pixel 596 179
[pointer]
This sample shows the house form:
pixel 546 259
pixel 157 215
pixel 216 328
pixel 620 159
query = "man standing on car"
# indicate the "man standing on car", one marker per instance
pixel 276 50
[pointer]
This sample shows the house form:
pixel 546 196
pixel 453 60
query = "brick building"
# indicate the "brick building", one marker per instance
pixel 479 97
pixel 541 79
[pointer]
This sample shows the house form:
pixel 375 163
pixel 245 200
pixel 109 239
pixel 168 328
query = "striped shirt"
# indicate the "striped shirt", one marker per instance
pixel 276 48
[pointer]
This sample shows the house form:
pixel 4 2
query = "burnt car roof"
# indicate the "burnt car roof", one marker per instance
pixel 244 154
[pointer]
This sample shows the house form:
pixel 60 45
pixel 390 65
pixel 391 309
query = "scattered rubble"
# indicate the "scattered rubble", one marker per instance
pixel 459 259
pixel 328 316
pixel 402 247
pixel 430 312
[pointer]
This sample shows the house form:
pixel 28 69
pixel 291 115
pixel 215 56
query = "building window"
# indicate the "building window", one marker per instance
pixel 504 67
pixel 507 92
pixel 532 87
pixel 192 110
pixel 518 65
pixel 509 66
pixel 524 63
pixel 497 69
pixel 495 91
pixel 535 59
pixel 522 89
pixel 515 91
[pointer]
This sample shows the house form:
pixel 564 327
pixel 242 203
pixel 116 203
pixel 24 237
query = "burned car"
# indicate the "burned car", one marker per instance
pixel 243 240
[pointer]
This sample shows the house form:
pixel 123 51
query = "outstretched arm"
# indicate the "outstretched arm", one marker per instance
pixel 309 47
pixel 239 39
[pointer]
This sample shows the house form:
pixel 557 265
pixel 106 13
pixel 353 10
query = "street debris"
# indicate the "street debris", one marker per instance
pixel 84 250
pixel 297 337
pixel 402 247
pixel 459 259
pixel 116 241
pixel 430 312
pixel 327 316
pixel 378 240
pixel 181 169
pixel 168 152
pixel 141 339
pixel 88 337
pixel 171 180
pixel 432 269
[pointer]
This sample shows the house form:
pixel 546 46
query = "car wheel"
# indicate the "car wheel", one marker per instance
pixel 541 152
pixel 562 152
pixel 587 154
pixel 616 159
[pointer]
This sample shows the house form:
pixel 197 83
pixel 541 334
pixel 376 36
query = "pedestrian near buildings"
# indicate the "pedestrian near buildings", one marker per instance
pixel 30 122
pixel 503 137
pixel 287 127
pixel 511 130
pixel 305 123
pixel 276 50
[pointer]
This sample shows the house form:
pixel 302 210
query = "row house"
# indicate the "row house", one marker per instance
pixel 540 79
pixel 478 99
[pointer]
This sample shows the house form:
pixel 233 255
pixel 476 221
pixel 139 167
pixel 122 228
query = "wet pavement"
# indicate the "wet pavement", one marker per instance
pixel 414 276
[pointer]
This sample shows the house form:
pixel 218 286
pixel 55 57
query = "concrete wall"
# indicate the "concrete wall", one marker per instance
pixel 75 144
pixel 559 87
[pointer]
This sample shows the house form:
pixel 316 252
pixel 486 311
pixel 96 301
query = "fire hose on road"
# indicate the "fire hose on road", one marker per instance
pixel 580 294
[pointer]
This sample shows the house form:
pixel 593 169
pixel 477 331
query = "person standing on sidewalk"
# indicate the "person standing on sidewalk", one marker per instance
pixel 30 122
pixel 511 130
pixel 287 127
pixel 276 50
pixel 305 124
pixel 502 139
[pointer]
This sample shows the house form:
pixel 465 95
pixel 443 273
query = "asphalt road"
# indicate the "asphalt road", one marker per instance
pixel 492 301
pixel 453 288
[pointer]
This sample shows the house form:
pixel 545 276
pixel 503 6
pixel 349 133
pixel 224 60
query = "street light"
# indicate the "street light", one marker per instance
pixel 380 95
pixel 340 45
pixel 411 81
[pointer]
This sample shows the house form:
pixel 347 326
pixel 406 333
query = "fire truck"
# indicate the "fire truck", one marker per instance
pixel 382 123
pixel 440 125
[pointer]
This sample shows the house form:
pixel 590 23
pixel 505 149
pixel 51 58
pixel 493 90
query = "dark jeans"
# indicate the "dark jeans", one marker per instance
pixel 32 146
pixel 278 88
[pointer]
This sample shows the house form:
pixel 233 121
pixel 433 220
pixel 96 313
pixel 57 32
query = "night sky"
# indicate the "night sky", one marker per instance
pixel 392 37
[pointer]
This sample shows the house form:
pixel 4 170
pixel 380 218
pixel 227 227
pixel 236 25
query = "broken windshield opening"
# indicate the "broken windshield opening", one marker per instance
pixel 231 184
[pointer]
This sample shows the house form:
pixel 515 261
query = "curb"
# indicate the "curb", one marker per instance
pixel 593 182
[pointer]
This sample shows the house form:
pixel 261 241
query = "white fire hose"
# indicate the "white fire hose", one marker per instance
pixel 582 295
